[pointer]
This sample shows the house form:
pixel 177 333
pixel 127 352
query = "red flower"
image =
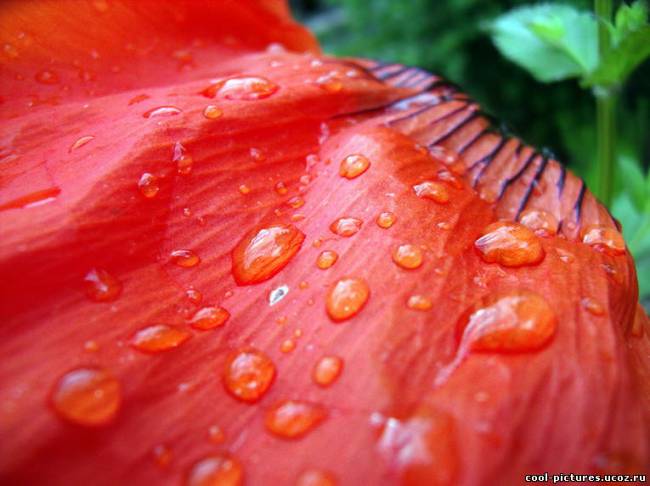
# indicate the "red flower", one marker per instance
pixel 225 258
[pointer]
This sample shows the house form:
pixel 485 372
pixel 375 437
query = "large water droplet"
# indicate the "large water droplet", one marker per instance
pixel 209 317
pixel 327 370
pixel 262 253
pixel 419 302
pixel 148 185
pixel 434 191
pixel 183 160
pixel 101 286
pixel 87 396
pixel 408 256
pixel 353 166
pixel 291 419
pixel 212 112
pixel 604 239
pixel 162 111
pixel 346 298
pixel 386 219
pixel 241 88
pixel 326 259
pixel 592 306
pixel 346 226
pixel 248 374
pixel 184 258
pixel 216 470
pixel 509 244
pixel 158 338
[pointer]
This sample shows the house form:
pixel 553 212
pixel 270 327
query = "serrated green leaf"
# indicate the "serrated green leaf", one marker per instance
pixel 552 42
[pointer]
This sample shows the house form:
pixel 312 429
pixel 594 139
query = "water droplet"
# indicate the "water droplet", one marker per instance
pixel 386 219
pixel 346 298
pixel 101 286
pixel 91 346
pixel 292 419
pixel 408 256
pixel 162 111
pixel 541 222
pixel 434 191
pixel 281 189
pixel 80 142
pixel 262 253
pixel 87 396
pixel 248 374
pixel 592 306
pixel 346 226
pixel 244 189
pixel 353 166
pixel 604 239
pixel 296 202
pixel 509 244
pixel 419 302
pixel 565 256
pixel 47 77
pixel 194 296
pixel 287 345
pixel 327 370
pixel 315 477
pixel 10 51
pixel 158 338
pixel 212 112
pixel 216 434
pixel 184 258
pixel 148 185
pixel 330 84
pixel 208 318
pixel 326 259
pixel 246 88
pixel 162 455
pixel 183 160
pixel 101 5
pixel 257 154
pixel 277 294
pixel 216 471
pixel 513 322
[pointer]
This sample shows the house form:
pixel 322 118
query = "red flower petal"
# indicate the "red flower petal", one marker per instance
pixel 91 255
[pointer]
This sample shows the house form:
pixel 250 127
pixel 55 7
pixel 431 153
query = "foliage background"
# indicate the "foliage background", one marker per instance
pixel 450 37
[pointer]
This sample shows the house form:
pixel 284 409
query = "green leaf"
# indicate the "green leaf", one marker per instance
pixel 628 19
pixel 634 180
pixel 552 42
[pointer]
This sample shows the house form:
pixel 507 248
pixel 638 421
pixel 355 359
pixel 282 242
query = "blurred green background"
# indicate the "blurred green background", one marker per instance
pixel 450 38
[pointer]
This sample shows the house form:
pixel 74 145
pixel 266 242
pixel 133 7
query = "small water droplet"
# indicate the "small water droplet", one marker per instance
pixel 447 157
pixel 281 189
pixel 162 111
pixel 257 155
pixel 330 84
pixel 216 470
pixel 262 253
pixel 101 286
pixel 541 222
pixel 148 185
pixel 386 219
pixel 10 51
pixel 87 396
pixel 346 298
pixel 287 346
pixel 184 258
pixel 244 189
pixel 209 317
pixel 408 256
pixel 326 259
pixel 247 88
pixel 434 191
pixel 80 142
pixel 212 112
pixel 158 338
pixel 248 374
pixel 419 302
pixel 91 346
pixel 509 244
pixel 162 455
pixel 604 239
pixel 315 477
pixel 327 370
pixel 296 202
pixel 592 306
pixel 47 77
pixel 346 226
pixel 565 256
pixel 194 296
pixel 183 160
pixel 450 178
pixel 277 294
pixel 353 166
pixel 292 419
pixel 216 434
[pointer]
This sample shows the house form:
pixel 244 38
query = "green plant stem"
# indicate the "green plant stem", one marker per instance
pixel 605 112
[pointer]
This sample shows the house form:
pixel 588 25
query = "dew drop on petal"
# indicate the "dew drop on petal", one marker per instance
pixel 592 306
pixel 87 396
pixel 604 239
pixel 101 286
pixel 158 338
pixel 408 256
pixel 287 346
pixel 247 88
pixel 565 256
pixel 216 434
pixel 326 259
pixel 194 296
pixel 184 258
pixel 450 178
pixel 209 317
pixel 148 185
pixel 327 370
pixel 212 112
pixel 281 188
pixel 216 470
pixel 296 202
pixel 292 419
pixel 162 455
pixel 353 166
pixel 248 374
pixel 315 477
pixel 346 226
pixel 331 84
pixel 162 111
pixel 435 191
pixel 47 77
pixel 541 222
pixel 262 253
pixel 386 219
pixel 515 321
pixel 419 302
pixel 182 158
pixel 277 294
pixel 346 298
pixel 80 142
pixel 257 155
pixel 509 244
